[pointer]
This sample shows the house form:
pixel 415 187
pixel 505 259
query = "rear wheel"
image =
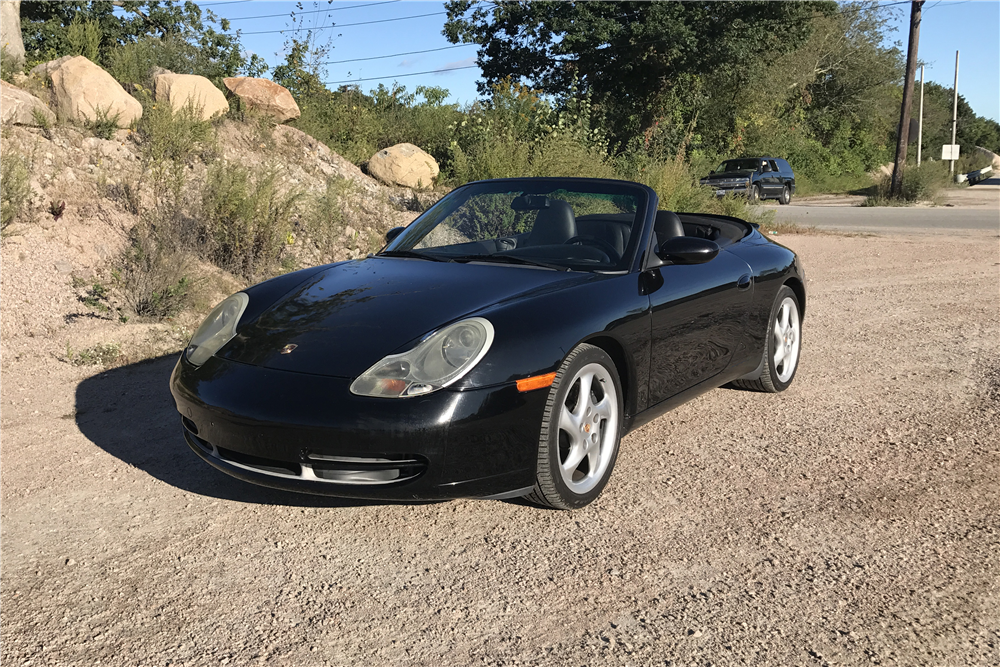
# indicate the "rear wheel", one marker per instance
pixel 786 195
pixel 581 429
pixel 781 349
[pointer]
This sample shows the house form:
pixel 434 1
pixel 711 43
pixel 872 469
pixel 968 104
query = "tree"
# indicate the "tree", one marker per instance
pixel 47 28
pixel 639 61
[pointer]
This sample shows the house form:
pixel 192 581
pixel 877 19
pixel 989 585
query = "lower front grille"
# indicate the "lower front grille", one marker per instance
pixel 320 467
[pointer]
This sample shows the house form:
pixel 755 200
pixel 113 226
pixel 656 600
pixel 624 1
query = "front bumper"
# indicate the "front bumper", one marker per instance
pixel 722 189
pixel 309 433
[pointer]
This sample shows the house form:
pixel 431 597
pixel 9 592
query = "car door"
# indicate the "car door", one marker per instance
pixel 698 317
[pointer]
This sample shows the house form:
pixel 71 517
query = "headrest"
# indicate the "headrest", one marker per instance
pixel 554 225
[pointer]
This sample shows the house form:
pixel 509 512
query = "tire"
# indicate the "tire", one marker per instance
pixel 587 431
pixel 784 334
pixel 755 194
pixel 786 196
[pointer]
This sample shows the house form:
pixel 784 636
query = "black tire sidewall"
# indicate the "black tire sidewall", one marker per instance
pixel 755 194
pixel 786 195
pixel 783 293
pixel 561 387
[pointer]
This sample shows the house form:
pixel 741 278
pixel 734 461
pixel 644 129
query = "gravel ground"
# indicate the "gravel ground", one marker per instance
pixel 850 520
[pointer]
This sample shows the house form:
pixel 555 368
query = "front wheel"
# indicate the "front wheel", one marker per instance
pixel 755 194
pixel 781 348
pixel 581 429
pixel 786 195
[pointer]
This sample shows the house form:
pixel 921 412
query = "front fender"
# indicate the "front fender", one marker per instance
pixel 534 335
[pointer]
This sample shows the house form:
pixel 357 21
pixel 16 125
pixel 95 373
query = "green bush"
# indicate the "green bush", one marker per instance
pixel 104 124
pixel 922 183
pixel 171 135
pixel 9 66
pixel 323 220
pixel 150 274
pixel 133 63
pixel 15 189
pixel 246 219
pixel 84 38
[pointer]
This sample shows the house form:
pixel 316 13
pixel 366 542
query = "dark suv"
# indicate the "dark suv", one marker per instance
pixel 756 177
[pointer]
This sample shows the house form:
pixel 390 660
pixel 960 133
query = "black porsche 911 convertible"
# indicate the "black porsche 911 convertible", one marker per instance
pixel 499 346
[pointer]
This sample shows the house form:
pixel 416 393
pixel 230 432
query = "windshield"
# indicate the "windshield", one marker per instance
pixel 550 223
pixel 748 164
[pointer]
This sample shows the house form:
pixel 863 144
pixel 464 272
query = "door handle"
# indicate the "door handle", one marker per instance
pixel 745 281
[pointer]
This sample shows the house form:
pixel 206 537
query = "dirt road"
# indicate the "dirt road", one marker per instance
pixel 852 520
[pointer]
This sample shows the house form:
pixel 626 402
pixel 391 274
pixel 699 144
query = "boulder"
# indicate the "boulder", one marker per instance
pixel 22 108
pixel 44 70
pixel 80 88
pixel 405 165
pixel 181 89
pixel 264 96
pixel 10 31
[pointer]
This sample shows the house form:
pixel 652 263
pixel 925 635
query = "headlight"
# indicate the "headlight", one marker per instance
pixel 438 361
pixel 217 329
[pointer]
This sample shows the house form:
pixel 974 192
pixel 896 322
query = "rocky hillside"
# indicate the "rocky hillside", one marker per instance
pixel 77 207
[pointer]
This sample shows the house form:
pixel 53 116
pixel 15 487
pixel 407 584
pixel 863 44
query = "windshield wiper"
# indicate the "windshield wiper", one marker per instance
pixel 414 254
pixel 508 259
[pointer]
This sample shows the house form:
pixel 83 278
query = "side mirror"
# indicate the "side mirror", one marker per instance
pixel 711 173
pixel 766 168
pixel 393 233
pixel 687 250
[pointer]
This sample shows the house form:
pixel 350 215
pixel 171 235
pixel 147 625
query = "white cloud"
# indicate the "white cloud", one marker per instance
pixel 471 60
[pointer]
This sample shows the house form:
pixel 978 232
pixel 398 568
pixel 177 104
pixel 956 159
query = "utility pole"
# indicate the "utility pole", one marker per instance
pixel 896 186
pixel 954 113
pixel 920 120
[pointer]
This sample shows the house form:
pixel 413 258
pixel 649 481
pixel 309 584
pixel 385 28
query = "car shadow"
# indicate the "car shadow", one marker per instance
pixel 129 413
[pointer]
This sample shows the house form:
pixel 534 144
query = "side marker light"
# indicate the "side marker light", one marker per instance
pixel 537 382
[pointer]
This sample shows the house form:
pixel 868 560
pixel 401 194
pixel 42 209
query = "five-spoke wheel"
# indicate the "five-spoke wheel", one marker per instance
pixel 580 431
pixel 781 348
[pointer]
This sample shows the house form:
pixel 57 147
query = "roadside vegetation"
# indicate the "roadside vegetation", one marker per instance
pixel 812 82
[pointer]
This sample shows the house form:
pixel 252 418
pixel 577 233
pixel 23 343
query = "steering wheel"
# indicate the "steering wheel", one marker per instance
pixel 606 247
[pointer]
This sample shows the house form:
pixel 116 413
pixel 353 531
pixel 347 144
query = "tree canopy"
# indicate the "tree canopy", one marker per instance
pixel 639 61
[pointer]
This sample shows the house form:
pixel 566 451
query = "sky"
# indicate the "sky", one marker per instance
pixel 971 26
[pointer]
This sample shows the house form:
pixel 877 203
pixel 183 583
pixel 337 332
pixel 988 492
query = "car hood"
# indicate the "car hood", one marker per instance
pixel 347 317
pixel 739 173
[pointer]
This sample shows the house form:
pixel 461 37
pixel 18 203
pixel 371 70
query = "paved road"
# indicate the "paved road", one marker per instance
pixel 891 220
pixel 974 209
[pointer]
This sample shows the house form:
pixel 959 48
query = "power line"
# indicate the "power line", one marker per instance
pixel 342 25
pixel 312 11
pixel 395 55
pixel 229 2
pixel 399 76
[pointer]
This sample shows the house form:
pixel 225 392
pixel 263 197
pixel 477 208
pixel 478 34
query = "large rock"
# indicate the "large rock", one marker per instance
pixel 405 165
pixel 183 89
pixel 22 108
pixel 10 31
pixel 44 70
pixel 81 88
pixel 264 96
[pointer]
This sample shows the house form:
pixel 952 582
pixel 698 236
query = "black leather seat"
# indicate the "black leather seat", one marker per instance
pixel 614 230
pixel 667 225
pixel 554 225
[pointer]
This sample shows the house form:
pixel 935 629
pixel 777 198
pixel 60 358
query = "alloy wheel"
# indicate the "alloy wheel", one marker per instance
pixel 588 428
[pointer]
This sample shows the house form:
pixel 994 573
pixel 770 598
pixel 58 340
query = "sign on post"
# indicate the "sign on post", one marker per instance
pixel 949 152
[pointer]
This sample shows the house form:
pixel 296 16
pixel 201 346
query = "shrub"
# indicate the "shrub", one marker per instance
pixel 104 124
pixel 323 221
pixel 150 273
pixel 15 189
pixel 84 38
pixel 246 218
pixel 921 183
pixel 9 66
pixel 171 135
